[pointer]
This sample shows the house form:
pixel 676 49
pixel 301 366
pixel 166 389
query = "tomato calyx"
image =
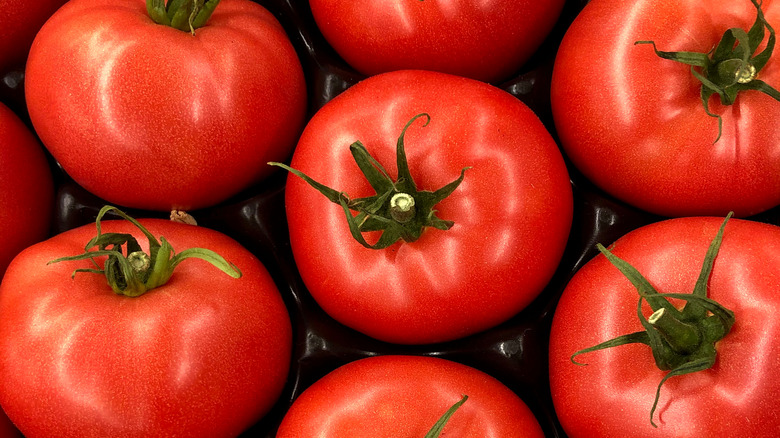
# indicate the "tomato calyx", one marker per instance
pixel 732 66
pixel 138 272
pixel 682 341
pixel 185 15
pixel 438 427
pixel 398 209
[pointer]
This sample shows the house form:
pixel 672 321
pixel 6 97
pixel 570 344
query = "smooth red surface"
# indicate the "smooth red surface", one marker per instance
pixel 26 188
pixel 634 123
pixel 487 40
pixel 404 396
pixel 20 20
pixel 203 355
pixel 512 212
pixel 612 395
pixel 147 116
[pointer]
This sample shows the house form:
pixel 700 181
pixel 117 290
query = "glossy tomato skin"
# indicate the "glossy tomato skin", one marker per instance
pixel 203 355
pixel 487 40
pixel 26 188
pixel 147 116
pixel 512 212
pixel 612 395
pixel 404 396
pixel 20 20
pixel 634 124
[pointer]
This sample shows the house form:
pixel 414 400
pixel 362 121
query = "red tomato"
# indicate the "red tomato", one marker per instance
pixel 612 396
pixel 26 188
pixel 404 396
pixel 20 20
pixel 147 116
pixel 634 123
pixel 486 40
pixel 202 355
pixel 511 213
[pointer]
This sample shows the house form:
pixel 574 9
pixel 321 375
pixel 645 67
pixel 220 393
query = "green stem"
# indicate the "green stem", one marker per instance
pixel 185 15
pixel 732 67
pixel 682 341
pixel 137 272
pixel 398 208
pixel 682 337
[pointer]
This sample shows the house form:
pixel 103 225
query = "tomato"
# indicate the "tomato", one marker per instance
pixel 26 188
pixel 404 396
pixel 613 395
pixel 20 20
pixel 511 213
pixel 486 40
pixel 147 116
pixel 634 123
pixel 201 355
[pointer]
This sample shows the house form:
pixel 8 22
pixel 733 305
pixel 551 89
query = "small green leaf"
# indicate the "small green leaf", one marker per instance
pixel 332 195
pixel 157 12
pixel 700 289
pixel 354 229
pixel 689 58
pixel 742 50
pixel 687 368
pixel 725 46
pixel 631 338
pixel 645 289
pixel 444 192
pixel 174 6
pixel 405 183
pixel 438 427
pixel 210 256
pixel 374 172
pixel 204 14
pixel 756 32
pixel 759 85
pixel 439 224
pixel 180 19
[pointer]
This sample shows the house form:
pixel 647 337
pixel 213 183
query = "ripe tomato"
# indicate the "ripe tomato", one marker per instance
pixel 20 20
pixel 511 213
pixel 202 355
pixel 26 188
pixel 635 125
pixel 147 116
pixel 612 396
pixel 487 40
pixel 404 396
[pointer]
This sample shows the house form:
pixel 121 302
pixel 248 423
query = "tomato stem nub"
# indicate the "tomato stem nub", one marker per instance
pixel 138 272
pixel 682 337
pixel 398 208
pixel 402 207
pixel 732 66
pixel 682 341
pixel 185 15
